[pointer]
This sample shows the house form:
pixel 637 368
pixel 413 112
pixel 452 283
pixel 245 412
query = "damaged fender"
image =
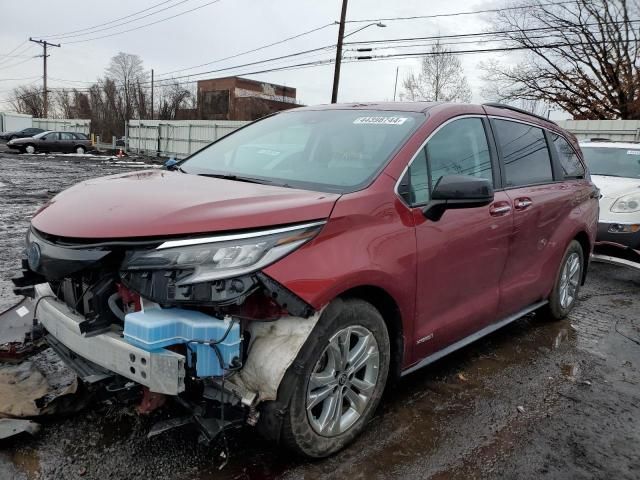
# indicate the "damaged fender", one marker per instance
pixel 272 349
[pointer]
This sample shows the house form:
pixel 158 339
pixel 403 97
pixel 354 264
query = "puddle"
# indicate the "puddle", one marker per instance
pixel 27 461
pixel 571 370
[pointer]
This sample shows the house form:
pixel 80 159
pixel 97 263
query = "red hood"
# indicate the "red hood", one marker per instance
pixel 154 203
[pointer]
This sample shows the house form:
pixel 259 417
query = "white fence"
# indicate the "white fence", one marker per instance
pixel 616 130
pixel 177 138
pixel 63 124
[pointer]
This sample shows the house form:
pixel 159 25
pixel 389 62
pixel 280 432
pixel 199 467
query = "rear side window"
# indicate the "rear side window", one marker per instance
pixel 571 166
pixel 80 136
pixel 524 152
pixel 66 136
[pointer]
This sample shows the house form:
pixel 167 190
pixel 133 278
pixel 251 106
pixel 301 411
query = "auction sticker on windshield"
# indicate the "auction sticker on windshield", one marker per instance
pixel 633 152
pixel 380 120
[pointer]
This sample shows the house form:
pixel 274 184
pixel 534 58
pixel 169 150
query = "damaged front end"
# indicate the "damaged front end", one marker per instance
pixel 193 319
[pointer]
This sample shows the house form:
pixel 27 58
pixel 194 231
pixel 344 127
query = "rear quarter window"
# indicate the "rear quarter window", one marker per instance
pixel 572 168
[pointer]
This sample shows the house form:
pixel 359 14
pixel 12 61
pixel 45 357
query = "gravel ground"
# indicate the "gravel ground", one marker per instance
pixel 534 400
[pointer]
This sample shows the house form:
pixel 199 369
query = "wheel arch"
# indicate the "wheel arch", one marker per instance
pixel 583 239
pixel 384 302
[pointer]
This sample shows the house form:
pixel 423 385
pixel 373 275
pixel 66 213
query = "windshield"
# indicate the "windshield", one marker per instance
pixel 326 150
pixel 613 162
pixel 42 134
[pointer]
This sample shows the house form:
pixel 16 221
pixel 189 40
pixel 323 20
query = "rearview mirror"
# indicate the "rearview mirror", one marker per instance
pixel 458 191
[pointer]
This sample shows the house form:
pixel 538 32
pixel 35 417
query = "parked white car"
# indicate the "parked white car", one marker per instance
pixel 615 170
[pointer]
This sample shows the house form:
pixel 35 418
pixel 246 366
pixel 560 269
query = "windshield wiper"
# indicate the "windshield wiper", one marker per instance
pixel 236 178
pixel 612 175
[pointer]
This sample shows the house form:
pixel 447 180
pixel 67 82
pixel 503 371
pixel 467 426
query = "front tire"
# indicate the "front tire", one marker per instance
pixel 343 377
pixel 568 279
pixel 30 149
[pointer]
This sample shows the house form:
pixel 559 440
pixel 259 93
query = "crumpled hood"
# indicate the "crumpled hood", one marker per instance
pixel 154 203
pixel 615 187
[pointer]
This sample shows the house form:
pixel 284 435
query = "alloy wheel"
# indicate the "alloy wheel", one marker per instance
pixel 569 280
pixel 30 149
pixel 343 381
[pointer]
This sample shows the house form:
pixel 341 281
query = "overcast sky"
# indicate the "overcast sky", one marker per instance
pixel 224 28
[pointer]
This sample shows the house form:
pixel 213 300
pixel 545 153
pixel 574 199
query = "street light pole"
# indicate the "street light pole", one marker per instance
pixel 341 37
pixel 336 72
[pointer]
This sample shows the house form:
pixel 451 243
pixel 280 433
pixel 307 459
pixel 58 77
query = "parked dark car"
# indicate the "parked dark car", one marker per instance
pixel 66 142
pixel 284 274
pixel 25 133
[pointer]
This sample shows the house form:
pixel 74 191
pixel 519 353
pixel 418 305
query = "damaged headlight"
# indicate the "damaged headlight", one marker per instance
pixel 224 256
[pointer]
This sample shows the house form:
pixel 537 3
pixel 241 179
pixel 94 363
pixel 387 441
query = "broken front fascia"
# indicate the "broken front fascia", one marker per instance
pixel 272 349
pixel 273 346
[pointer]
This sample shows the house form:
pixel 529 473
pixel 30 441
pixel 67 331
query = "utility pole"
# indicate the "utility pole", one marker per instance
pixel 45 99
pixel 395 89
pixel 152 94
pixel 336 73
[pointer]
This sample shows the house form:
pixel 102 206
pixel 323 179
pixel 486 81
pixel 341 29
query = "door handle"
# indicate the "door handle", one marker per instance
pixel 499 209
pixel 522 203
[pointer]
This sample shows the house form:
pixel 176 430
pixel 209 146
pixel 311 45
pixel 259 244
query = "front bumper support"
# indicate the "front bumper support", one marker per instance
pixel 162 371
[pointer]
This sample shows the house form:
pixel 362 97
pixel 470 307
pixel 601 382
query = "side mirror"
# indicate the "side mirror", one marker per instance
pixel 170 164
pixel 458 191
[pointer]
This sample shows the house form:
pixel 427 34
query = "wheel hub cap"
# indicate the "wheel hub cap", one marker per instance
pixel 569 280
pixel 343 381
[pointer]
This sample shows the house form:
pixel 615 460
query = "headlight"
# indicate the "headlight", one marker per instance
pixel 627 203
pixel 224 256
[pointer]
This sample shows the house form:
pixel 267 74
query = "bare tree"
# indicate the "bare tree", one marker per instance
pixel 440 79
pixel 28 100
pixel 581 56
pixel 64 103
pixel 172 97
pixel 127 71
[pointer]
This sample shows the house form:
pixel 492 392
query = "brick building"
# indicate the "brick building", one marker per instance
pixel 235 98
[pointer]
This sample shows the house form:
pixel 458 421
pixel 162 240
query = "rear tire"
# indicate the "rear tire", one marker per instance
pixel 568 280
pixel 344 372
pixel 80 150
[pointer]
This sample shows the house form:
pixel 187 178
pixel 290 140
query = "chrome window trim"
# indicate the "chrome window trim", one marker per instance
pixel 238 236
pixel 404 171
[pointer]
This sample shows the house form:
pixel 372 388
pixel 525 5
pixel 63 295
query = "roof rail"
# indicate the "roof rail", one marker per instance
pixel 516 109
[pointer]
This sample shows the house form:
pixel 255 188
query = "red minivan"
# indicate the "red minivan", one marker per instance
pixel 284 274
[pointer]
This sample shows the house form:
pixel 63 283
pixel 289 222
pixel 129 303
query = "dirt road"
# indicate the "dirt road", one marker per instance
pixel 535 400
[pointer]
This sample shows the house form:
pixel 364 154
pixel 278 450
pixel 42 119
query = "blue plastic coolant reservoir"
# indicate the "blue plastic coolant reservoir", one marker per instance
pixel 157 328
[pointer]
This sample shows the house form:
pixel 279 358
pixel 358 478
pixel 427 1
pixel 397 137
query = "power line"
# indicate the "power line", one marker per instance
pixel 313 30
pixel 18 79
pixel 458 14
pixel 146 24
pixel 6 67
pixel 119 24
pixel 480 50
pixel 6 60
pixel 483 34
pixel 107 23
pixel 9 53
